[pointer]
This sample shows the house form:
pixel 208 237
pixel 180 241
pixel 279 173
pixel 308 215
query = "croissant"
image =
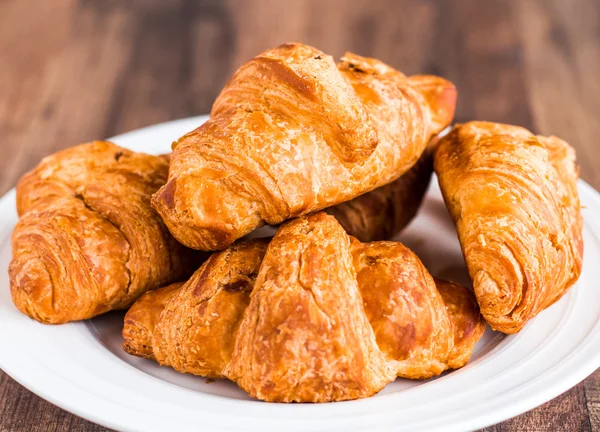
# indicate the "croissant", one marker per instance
pixel 514 199
pixel 312 315
pixel 88 240
pixel 293 133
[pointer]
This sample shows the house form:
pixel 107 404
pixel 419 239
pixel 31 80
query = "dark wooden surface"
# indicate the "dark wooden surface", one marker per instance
pixel 76 70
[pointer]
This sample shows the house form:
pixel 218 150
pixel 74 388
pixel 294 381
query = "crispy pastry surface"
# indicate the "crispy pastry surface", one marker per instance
pixel 293 133
pixel 514 199
pixel 315 316
pixel 88 240
pixel 142 318
pixel 385 211
pixel 306 336
pixel 197 329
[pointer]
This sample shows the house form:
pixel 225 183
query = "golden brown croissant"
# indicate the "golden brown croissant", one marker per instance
pixel 513 196
pixel 312 316
pixel 88 240
pixel 293 133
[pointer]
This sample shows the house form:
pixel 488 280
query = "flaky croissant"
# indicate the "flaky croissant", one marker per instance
pixel 88 240
pixel 311 316
pixel 293 133
pixel 513 196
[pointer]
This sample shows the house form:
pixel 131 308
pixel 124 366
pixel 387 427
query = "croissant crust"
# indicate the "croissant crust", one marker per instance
pixel 293 133
pixel 311 316
pixel 514 198
pixel 387 210
pixel 88 240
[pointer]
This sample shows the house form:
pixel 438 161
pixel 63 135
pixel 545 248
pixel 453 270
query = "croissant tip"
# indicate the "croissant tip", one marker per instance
pixel 165 196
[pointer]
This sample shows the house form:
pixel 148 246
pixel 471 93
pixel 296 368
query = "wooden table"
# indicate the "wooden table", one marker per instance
pixel 72 71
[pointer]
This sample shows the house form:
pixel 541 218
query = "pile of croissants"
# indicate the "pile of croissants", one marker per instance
pixel 338 157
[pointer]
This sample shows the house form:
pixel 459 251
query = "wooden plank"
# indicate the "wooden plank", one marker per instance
pixel 483 56
pixel 62 96
pixel 565 413
pixel 592 398
pixel 562 58
pixel 22 411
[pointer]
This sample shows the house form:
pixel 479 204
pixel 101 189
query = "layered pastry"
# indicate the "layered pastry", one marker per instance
pixel 312 315
pixel 514 199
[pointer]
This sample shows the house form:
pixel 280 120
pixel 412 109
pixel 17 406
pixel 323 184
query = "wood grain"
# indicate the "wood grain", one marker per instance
pixel 72 71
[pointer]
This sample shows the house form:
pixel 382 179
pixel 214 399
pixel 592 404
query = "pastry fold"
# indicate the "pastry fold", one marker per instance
pixel 293 133
pixel 88 240
pixel 312 315
pixel 387 210
pixel 514 199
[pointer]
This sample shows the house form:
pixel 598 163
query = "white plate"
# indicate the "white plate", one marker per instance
pixel 80 366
